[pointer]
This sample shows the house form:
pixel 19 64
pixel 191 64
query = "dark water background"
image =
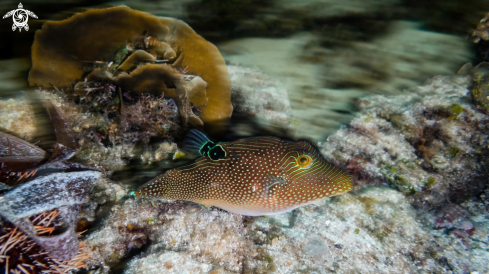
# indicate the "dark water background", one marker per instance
pixel 220 21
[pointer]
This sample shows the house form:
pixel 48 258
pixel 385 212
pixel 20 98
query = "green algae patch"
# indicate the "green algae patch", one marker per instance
pixel 455 111
pixel 481 87
pixel 401 180
pixel 454 151
pixel 369 203
pixel 431 181
pixel 405 175
pixel 398 121
pixel 271 266
pixel 410 190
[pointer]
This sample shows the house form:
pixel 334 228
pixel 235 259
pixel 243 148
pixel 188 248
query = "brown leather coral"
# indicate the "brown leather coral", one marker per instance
pixel 64 52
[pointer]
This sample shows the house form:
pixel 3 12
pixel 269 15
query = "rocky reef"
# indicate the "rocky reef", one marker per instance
pixel 481 38
pixel 407 223
pixel 135 53
pixel 419 156
pixel 259 102
pixel 374 229
pixel 429 142
pixel 17 115
pixel 145 82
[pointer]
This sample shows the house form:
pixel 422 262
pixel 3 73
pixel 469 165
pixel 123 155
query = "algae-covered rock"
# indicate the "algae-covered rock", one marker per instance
pixel 107 140
pixel 63 55
pixel 430 141
pixel 260 99
pixel 481 37
pixel 480 89
pixel 18 116
pixel 214 238
pixel 372 230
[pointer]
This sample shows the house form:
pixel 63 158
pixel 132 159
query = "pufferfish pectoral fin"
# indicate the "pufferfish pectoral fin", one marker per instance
pixel 205 206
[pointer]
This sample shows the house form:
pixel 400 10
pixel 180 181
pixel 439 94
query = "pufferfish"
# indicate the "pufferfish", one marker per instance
pixel 253 176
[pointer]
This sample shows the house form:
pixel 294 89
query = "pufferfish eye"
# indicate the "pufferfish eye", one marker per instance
pixel 304 161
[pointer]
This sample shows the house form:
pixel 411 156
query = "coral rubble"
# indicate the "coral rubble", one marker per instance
pixel 371 231
pixel 169 262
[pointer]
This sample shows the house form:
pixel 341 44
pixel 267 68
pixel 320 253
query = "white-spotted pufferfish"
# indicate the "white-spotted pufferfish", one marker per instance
pixel 253 176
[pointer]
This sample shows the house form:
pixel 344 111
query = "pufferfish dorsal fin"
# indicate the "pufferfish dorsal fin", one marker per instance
pixel 197 142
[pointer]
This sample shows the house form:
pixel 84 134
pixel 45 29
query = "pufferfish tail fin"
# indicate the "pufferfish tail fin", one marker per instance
pixel 197 142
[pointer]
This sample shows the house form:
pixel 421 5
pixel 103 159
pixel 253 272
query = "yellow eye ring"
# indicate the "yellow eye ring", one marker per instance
pixel 304 161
